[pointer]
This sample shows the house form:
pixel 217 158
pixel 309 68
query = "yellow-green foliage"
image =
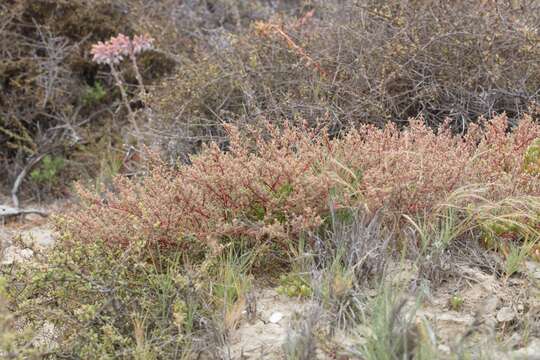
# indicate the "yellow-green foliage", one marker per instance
pixel 509 224
pixel 14 341
pixel 294 285
pixel 531 161
pixel 94 94
pixel 121 303
pixel 7 332
pixel 108 304
pixel 456 302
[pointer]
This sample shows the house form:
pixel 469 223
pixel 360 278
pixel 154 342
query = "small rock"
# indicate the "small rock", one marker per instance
pixel 533 268
pixel 452 316
pixel 39 237
pixel 489 306
pixel 530 352
pixel 14 254
pixel 44 337
pixel 275 317
pixel 444 348
pixel 506 314
pixel 514 340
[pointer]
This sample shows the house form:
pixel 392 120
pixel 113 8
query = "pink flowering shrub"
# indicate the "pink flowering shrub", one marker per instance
pixel 114 50
pixel 273 185
pixel 410 171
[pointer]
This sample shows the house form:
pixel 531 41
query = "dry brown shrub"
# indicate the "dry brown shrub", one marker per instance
pixel 360 62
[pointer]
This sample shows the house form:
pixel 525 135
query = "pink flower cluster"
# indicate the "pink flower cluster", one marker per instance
pixel 114 50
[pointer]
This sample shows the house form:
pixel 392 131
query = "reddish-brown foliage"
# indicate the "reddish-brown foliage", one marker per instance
pixel 275 184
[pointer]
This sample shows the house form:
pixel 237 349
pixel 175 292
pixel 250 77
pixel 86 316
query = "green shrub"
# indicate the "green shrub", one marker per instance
pixel 105 303
pixel 294 285
pixel 94 94
pixel 48 171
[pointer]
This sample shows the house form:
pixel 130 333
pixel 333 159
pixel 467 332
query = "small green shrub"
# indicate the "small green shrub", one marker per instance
pixel 94 94
pixel 48 171
pixel 456 302
pixel 531 161
pixel 105 303
pixel 294 285
pixel 511 225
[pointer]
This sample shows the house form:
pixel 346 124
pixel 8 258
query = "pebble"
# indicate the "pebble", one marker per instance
pixel 13 254
pixel 275 317
pixel 506 314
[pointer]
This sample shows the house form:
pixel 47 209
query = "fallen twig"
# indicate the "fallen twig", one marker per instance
pixel 6 211
pixel 20 178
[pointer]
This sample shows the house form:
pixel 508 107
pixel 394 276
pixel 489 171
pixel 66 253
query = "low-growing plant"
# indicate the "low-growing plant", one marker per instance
pixel 510 224
pixel 273 185
pixel 14 343
pixel 94 94
pixel 49 170
pixel 105 303
pixel 297 282
pixel 294 285
pixel 456 302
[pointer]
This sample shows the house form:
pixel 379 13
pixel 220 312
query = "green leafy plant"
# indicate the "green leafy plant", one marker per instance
pixel 294 285
pixel 49 170
pixel 456 302
pixel 94 94
pixel 531 161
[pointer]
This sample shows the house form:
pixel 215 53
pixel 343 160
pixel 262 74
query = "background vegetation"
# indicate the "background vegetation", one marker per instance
pixel 310 146
pixel 221 61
